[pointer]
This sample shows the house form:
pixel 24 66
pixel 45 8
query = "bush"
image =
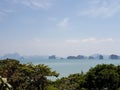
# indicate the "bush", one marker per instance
pixel 51 88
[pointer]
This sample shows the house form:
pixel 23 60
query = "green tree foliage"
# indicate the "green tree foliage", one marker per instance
pixel 25 76
pixel 34 77
pixel 50 87
pixel 72 82
pixel 102 77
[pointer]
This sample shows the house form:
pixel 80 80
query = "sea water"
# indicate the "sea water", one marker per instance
pixel 71 66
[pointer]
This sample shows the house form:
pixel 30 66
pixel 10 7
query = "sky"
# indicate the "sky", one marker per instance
pixel 60 27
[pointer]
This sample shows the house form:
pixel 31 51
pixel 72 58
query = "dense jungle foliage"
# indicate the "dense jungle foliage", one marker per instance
pixel 34 77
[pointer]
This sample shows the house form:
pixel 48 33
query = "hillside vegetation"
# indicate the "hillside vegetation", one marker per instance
pixel 34 77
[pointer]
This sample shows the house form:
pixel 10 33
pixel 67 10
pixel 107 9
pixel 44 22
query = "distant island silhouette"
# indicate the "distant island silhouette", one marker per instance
pixel 98 56
pixel 91 57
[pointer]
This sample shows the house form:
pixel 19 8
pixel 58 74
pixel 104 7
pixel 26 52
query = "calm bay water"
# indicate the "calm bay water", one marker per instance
pixel 66 67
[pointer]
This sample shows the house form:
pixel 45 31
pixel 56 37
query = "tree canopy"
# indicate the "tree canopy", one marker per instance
pixel 26 76
pixel 34 77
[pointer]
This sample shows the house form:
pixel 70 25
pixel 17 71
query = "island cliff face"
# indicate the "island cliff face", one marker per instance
pixel 80 57
pixel 113 56
pixel 91 57
pixel 76 57
pixel 52 57
pixel 100 57
pixel 71 57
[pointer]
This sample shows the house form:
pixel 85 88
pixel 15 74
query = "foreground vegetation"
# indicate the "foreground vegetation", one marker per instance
pixel 34 77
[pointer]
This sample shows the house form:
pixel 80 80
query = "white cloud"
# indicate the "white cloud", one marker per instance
pixel 8 10
pixel 4 12
pixel 102 8
pixel 95 40
pixel 39 46
pixel 34 3
pixel 89 40
pixel 73 41
pixel 63 24
pixel 37 40
pixel 107 40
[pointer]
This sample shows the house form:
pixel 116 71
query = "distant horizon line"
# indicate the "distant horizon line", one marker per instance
pixel 15 53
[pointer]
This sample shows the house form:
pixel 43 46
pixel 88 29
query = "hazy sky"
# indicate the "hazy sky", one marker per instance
pixel 61 27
